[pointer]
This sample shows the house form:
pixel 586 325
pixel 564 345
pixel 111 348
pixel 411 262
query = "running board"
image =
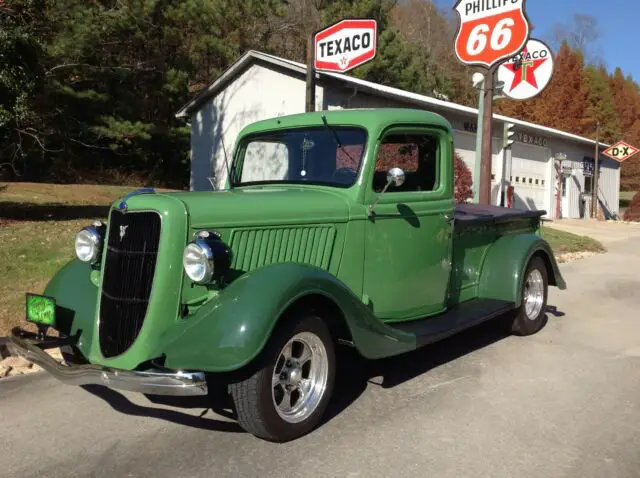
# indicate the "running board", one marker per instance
pixel 457 319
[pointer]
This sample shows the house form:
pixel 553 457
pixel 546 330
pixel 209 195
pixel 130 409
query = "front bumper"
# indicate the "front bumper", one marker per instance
pixel 151 382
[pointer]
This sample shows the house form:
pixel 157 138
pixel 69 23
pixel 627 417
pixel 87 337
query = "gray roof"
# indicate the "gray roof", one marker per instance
pixel 377 89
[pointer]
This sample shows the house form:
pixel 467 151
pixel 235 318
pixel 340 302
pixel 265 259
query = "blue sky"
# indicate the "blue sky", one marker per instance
pixel 618 22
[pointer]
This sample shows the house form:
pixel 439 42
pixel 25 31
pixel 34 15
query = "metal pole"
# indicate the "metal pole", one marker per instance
pixel 487 127
pixel 310 103
pixel 476 166
pixel 594 200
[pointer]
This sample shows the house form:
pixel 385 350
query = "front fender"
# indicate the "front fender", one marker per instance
pixel 232 328
pixel 504 264
pixel 74 288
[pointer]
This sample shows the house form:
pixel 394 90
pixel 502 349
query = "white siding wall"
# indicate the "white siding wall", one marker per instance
pixel 258 93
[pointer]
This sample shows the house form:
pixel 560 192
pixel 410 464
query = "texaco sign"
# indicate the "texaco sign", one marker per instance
pixel 528 73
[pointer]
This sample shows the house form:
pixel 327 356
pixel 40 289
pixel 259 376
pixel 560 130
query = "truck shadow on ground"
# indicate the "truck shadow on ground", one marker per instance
pixel 21 211
pixel 353 377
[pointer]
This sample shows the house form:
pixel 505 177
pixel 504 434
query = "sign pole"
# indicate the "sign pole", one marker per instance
pixel 479 129
pixel 310 103
pixel 487 128
pixel 594 200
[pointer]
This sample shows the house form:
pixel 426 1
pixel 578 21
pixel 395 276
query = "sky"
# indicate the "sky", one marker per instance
pixel 618 22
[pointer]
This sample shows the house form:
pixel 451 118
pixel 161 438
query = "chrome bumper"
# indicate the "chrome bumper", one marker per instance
pixel 151 382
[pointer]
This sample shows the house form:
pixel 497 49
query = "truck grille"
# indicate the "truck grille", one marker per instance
pixel 130 262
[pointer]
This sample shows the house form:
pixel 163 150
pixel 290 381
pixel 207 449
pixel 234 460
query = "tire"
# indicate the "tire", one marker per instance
pixel 530 317
pixel 270 403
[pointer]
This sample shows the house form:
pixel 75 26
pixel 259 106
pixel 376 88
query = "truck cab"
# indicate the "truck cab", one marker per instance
pixel 335 228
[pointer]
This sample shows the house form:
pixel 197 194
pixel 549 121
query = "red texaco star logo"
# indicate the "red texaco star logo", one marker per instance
pixel 524 70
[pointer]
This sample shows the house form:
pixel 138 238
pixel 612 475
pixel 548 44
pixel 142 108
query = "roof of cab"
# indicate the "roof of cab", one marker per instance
pixel 372 119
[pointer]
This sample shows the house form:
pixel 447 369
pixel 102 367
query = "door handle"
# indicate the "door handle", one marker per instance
pixel 448 217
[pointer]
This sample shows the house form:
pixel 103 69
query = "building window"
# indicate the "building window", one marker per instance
pixel 537 182
pixel 588 184
pixel 530 180
pixel 543 182
pixel 565 185
pixel 517 179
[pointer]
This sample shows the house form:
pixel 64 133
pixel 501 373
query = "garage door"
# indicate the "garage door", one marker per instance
pixel 530 177
pixel 465 146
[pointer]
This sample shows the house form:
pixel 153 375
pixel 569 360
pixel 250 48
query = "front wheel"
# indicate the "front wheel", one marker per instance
pixel 530 317
pixel 287 396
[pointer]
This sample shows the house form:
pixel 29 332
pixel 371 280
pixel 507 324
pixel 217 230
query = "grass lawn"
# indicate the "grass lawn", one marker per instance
pixel 38 224
pixel 564 242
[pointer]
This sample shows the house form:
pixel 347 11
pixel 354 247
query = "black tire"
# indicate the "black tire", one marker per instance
pixel 523 324
pixel 252 398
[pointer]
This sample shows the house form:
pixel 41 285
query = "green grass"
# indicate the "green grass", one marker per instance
pixel 564 242
pixel 38 224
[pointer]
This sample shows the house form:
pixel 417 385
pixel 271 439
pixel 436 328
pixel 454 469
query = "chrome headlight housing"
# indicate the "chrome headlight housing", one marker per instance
pixel 206 258
pixel 89 243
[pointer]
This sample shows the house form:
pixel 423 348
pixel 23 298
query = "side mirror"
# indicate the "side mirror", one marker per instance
pixel 396 177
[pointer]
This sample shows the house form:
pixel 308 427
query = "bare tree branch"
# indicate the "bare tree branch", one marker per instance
pixel 22 131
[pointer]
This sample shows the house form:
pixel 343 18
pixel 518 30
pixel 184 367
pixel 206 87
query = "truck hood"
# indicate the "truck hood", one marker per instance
pixel 262 206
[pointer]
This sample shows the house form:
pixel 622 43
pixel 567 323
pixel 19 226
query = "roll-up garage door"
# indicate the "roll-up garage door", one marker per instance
pixel 530 177
pixel 465 146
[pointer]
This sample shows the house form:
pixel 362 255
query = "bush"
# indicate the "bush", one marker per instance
pixel 463 181
pixel 633 212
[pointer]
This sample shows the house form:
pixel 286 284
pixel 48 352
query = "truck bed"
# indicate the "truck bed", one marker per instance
pixel 471 214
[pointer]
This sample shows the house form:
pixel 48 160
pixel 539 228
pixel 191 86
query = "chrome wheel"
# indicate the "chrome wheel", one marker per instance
pixel 299 377
pixel 533 294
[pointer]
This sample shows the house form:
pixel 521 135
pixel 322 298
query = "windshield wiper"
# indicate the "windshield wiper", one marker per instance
pixel 335 135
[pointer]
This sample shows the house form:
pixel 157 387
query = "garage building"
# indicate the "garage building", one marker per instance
pixel 259 86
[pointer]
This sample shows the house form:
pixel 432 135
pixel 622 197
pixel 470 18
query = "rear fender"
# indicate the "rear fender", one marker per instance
pixel 231 329
pixel 76 293
pixel 504 265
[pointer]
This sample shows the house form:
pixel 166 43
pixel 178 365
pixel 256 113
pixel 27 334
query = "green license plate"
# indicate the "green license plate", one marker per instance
pixel 41 310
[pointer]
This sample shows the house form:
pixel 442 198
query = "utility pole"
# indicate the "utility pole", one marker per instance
pixel 594 199
pixel 310 103
pixel 487 127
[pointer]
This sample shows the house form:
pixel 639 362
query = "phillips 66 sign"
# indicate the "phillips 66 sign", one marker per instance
pixel 490 31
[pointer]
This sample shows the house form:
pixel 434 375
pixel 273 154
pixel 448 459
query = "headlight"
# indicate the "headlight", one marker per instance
pixel 89 244
pixel 198 261
pixel 206 258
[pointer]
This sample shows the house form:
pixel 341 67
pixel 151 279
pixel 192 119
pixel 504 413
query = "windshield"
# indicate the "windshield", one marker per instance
pixel 329 155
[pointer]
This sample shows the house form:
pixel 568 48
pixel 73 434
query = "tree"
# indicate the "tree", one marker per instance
pixel 601 107
pixel 580 33
pixel 633 211
pixel 463 181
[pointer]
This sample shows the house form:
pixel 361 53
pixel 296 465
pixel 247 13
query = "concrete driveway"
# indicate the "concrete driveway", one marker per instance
pixel 563 403
pixel 604 231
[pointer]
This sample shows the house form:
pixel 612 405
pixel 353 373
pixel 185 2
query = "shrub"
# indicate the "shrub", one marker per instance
pixel 463 181
pixel 633 211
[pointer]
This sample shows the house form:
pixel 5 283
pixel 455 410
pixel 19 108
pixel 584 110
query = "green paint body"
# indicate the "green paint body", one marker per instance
pixel 404 262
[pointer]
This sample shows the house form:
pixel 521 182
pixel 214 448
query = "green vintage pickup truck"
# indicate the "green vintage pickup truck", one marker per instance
pixel 336 229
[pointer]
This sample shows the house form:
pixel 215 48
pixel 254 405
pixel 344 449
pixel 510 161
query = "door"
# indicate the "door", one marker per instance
pixel 408 235
pixel 565 200
pixel 531 184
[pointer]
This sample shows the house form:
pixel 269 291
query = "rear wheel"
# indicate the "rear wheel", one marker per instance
pixel 287 396
pixel 530 317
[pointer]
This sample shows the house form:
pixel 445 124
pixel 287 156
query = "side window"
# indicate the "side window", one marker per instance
pixel 416 154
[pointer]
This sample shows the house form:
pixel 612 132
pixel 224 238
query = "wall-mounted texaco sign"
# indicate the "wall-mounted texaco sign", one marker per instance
pixel 528 73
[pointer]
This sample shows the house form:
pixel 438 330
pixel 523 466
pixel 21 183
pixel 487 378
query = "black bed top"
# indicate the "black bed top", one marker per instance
pixel 480 214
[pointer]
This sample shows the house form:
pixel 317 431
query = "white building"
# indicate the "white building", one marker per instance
pixel 259 86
